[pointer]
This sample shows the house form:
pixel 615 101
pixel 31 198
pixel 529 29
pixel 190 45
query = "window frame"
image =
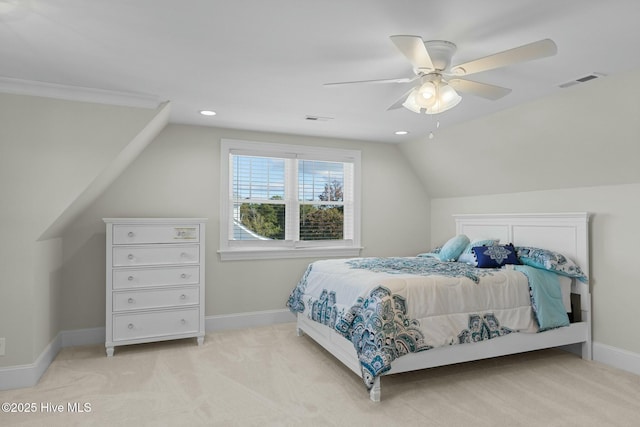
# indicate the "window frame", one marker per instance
pixel 240 250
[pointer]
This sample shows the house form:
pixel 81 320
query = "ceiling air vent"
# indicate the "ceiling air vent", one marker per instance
pixel 318 118
pixel 582 80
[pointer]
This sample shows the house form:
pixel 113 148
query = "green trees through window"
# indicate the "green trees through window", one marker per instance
pixel 319 219
pixel 264 219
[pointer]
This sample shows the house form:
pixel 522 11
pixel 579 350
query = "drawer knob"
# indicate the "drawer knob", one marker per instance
pixel 130 326
pixel 183 296
pixel 183 275
pixel 130 278
pixel 183 321
pixel 130 300
pixel 184 254
pixel 130 256
pixel 131 234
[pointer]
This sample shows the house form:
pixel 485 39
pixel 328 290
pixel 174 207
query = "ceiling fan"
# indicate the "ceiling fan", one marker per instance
pixel 437 83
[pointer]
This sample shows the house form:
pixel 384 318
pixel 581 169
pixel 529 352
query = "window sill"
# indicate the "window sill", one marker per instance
pixel 253 254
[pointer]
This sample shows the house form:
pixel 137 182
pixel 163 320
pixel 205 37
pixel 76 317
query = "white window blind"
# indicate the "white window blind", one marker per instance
pixel 289 199
pixel 258 199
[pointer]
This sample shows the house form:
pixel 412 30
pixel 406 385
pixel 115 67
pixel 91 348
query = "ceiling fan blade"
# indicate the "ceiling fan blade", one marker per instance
pixel 399 80
pixel 483 90
pixel 401 100
pixel 413 48
pixel 527 52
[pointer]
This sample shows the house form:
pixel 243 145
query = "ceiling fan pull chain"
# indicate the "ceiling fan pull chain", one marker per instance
pixel 431 134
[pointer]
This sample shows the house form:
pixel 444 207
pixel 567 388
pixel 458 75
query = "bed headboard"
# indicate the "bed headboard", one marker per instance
pixel 567 233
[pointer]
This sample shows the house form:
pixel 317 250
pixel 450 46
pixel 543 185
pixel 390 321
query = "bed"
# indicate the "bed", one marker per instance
pixel 371 314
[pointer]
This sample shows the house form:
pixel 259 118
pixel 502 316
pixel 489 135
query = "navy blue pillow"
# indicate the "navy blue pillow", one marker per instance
pixel 495 256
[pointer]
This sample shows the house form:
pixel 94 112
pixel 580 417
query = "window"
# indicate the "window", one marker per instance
pixel 281 201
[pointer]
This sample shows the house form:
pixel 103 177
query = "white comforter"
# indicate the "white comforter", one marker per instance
pixel 441 304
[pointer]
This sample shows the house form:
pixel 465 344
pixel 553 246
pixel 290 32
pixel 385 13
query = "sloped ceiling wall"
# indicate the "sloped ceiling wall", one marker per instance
pixel 52 150
pixel 587 135
pixel 111 171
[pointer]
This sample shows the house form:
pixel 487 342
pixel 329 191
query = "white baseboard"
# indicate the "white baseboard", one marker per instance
pixel 617 358
pixel 28 375
pixel 248 320
pixel 78 337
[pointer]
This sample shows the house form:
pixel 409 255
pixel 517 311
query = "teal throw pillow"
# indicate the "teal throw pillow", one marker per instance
pixel 453 248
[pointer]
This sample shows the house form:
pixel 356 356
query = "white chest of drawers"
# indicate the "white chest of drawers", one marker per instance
pixel 155 280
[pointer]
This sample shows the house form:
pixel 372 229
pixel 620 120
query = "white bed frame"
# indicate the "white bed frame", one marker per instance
pixel 567 233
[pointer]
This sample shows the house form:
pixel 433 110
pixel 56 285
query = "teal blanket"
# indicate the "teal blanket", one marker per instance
pixel 546 298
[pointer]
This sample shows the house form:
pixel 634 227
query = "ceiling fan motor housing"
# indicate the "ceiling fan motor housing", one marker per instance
pixel 441 52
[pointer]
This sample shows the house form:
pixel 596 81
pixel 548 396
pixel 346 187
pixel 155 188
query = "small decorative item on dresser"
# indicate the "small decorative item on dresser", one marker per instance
pixel 155 280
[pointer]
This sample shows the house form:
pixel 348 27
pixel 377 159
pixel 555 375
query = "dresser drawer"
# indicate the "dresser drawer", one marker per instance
pixel 155 255
pixel 155 324
pixel 126 234
pixel 139 278
pixel 156 298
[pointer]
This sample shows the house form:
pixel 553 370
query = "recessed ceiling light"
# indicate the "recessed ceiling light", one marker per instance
pixel 207 113
pixel 401 132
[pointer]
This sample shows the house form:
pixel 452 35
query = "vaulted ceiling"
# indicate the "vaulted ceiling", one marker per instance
pixel 261 65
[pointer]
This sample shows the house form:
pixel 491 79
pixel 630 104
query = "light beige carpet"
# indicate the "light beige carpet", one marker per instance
pixel 271 377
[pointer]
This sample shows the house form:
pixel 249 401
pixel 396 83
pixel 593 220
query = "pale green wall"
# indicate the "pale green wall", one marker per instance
pixel 178 176
pixel 50 152
pixel 614 232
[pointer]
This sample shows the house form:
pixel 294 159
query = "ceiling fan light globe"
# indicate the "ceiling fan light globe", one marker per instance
pixel 426 95
pixel 449 95
pixel 425 103
pixel 446 100
pixel 411 104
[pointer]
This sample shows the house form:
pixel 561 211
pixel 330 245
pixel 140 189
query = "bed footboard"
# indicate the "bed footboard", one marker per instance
pixel 343 350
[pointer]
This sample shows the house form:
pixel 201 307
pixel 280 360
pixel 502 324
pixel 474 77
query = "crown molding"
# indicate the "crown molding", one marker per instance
pixel 77 93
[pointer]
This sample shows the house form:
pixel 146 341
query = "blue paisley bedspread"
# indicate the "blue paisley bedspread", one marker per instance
pixel 389 307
